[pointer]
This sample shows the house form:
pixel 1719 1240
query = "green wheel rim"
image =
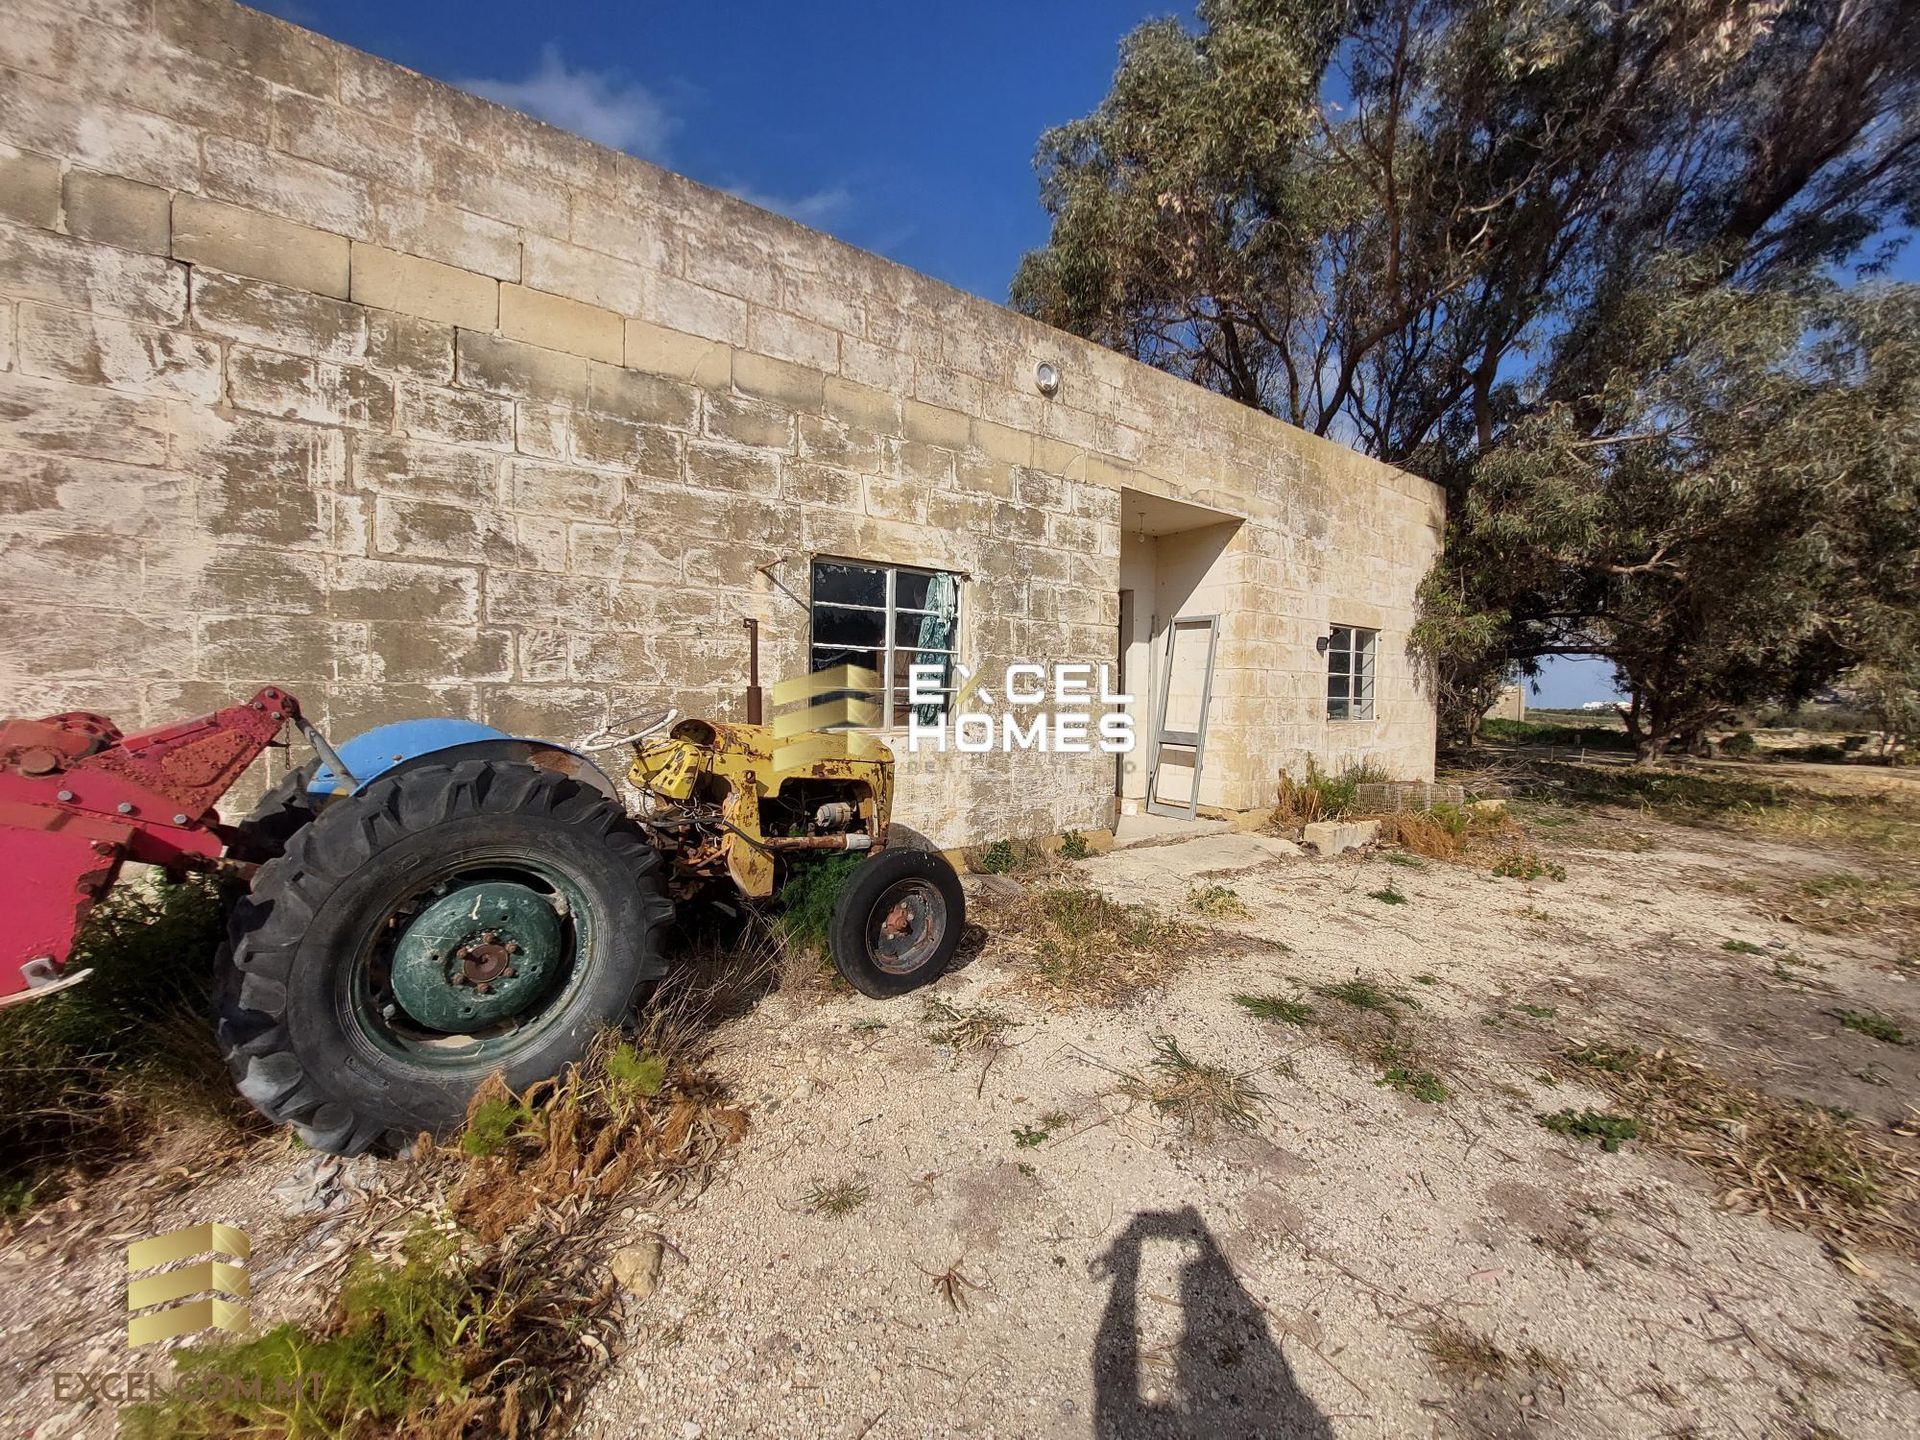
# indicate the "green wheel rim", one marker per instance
pixel 473 964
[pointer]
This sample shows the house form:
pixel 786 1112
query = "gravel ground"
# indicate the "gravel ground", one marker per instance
pixel 1028 1250
pixel 1120 1278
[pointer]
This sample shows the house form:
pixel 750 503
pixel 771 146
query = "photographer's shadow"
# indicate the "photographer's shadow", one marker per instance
pixel 1227 1379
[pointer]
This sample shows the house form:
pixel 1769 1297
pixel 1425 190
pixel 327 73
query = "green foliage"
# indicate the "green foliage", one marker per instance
pixel 1874 1027
pixel 1073 846
pixel 996 858
pixel 493 1122
pixel 1276 1007
pixel 1028 1136
pixel 1567 262
pixel 84 1072
pixel 1538 1012
pixel 1388 896
pixel 1527 865
pixel 1364 994
pixel 1534 732
pixel 805 902
pixel 1609 1130
pixel 1743 947
pixel 642 1075
pixel 1422 1085
pixel 1615 1059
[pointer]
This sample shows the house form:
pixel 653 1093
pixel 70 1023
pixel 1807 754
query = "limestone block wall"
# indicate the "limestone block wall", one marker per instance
pixel 315 371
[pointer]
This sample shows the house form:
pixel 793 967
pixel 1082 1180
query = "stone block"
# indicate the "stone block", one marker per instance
pixel 465 417
pixel 361 589
pixel 259 312
pixel 343 139
pixel 861 408
pixel 557 323
pixel 51 419
pixel 246 174
pixel 247 40
pixel 89 349
pixel 56 643
pixel 787 337
pixel 426 288
pixel 806 483
pixel 513 367
pixel 588 276
pixel 568 601
pixel 29 188
pixel 622 230
pixel 299 650
pixel 1333 837
pixel 544 489
pixel 829 442
pixel 875 366
pixel 725 467
pixel 660 351
pixel 39 265
pixel 119 212
pixel 60 492
pixel 642 399
pixel 605 440
pixel 247 579
pixel 727 260
pixel 49 117
pixel 415 225
pixel 695 310
pixel 411 346
pixel 747 422
pixel 798 387
pixel 504 191
pixel 625 553
pixel 1002 442
pixel 557 710
pixel 246 242
pixel 935 426
pixel 449 654
pixel 427 530
pixel 295 387
pixel 540 542
pixel 419 470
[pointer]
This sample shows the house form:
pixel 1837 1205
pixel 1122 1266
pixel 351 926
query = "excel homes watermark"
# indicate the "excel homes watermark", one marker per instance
pixel 1064 709
pixel 166 1300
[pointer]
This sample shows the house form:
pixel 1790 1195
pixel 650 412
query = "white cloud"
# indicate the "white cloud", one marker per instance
pixel 596 104
pixel 817 208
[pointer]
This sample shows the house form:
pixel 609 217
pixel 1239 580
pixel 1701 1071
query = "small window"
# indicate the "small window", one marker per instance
pixel 887 618
pixel 1350 673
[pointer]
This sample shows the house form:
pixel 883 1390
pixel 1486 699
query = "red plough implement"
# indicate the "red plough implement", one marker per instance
pixel 78 799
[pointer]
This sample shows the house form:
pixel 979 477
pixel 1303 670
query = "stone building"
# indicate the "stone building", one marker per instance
pixel 315 371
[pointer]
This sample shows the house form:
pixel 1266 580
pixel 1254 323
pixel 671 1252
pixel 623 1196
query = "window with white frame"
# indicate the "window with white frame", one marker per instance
pixel 887 618
pixel 1350 653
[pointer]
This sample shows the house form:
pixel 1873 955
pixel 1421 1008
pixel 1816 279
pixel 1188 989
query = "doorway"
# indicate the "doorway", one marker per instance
pixel 1180 728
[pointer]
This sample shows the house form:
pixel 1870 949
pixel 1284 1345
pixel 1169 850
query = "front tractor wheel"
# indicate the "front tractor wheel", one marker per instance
pixel 897 922
pixel 447 923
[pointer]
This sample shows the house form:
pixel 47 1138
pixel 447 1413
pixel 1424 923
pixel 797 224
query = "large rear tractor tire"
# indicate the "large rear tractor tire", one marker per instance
pixel 897 922
pixel 448 922
pixel 284 811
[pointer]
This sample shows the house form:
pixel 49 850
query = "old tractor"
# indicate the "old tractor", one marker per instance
pixel 438 901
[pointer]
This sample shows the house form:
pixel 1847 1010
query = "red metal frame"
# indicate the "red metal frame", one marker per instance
pixel 78 799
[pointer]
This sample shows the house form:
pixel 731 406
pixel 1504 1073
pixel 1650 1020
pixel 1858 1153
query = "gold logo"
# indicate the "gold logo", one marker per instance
pixel 213 1279
pixel 837 703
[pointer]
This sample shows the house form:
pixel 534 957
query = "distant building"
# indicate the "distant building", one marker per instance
pixel 1512 704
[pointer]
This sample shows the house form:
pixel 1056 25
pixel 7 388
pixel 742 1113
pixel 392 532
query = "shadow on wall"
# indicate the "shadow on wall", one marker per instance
pixel 1222 1377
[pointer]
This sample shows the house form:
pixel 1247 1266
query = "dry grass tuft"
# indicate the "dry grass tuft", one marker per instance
pixel 951 1286
pixel 966 1030
pixel 1898 1331
pixel 1463 1355
pixel 1805 1168
pixel 1216 902
pixel 1198 1096
pixel 1073 946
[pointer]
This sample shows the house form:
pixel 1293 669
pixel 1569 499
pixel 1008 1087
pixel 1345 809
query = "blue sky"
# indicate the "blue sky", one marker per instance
pixel 904 129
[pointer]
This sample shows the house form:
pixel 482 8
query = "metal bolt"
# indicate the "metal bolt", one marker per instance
pixel 179 819
pixel 125 807
pixel 64 795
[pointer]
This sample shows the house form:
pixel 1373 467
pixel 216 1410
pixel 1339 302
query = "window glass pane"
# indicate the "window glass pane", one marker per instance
pixel 1339 662
pixel 903 658
pixel 825 657
pixel 833 625
pixel 1363 709
pixel 1342 640
pixel 911 591
pixel 1363 689
pixel 1363 641
pixel 848 584
pixel 925 632
pixel 1336 708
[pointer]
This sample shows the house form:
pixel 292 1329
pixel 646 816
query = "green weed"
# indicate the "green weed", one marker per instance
pixel 1873 1026
pixel 1742 947
pixel 804 906
pixel 1073 846
pixel 1527 865
pixel 1609 1130
pixel 837 1198
pixel 1420 1084
pixel 1364 994
pixel 1539 1012
pixel 1217 902
pixel 1276 1007
pixel 1388 896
